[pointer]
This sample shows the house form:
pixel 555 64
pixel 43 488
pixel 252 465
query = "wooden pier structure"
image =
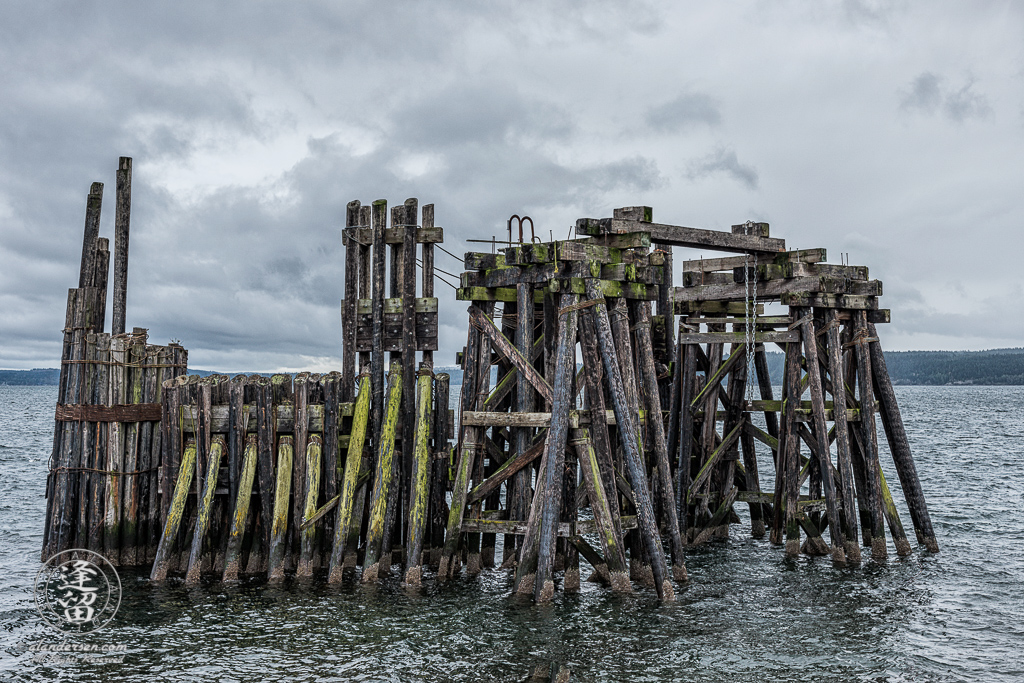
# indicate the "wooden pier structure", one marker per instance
pixel 604 412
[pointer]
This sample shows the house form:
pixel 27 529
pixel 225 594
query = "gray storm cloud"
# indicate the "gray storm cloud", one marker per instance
pixel 857 125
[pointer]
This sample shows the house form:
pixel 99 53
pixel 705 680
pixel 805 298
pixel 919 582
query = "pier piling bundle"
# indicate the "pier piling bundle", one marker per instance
pixel 604 412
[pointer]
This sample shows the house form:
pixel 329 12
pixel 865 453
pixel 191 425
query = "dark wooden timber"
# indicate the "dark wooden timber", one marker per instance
pixel 869 439
pixel 649 379
pixel 408 294
pixel 842 432
pixel 630 432
pixel 348 309
pixel 822 454
pixel 789 451
pixel 563 397
pixel 427 223
pixel 380 216
pixel 93 205
pixel 122 220
pixel 899 445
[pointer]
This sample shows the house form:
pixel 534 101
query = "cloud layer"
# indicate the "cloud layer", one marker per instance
pixel 863 127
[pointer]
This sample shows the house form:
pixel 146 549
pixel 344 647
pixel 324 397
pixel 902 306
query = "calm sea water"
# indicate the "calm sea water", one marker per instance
pixel 747 614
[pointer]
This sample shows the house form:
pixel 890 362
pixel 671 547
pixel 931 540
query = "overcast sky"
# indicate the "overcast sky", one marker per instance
pixel 890 130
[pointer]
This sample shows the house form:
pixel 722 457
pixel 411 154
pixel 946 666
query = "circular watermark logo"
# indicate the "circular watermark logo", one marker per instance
pixel 77 591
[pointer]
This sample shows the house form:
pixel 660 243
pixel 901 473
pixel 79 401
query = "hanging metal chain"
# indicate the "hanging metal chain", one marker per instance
pixel 750 307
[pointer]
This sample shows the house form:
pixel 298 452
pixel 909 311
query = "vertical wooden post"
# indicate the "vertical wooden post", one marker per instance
pixel 611 539
pixel 384 476
pixel 428 270
pixel 115 454
pixel 563 402
pixel 332 417
pixel 279 530
pixel 629 430
pixel 304 568
pixel 408 294
pixel 353 461
pixel 348 308
pixel 419 496
pixel 101 270
pixel 649 377
pixel 241 512
pixel 685 447
pixel 843 456
pixel 441 456
pixel 788 473
pixel 133 375
pixel 380 217
pixel 467 446
pixel 195 560
pixel 122 220
pixel 87 272
pixel 266 441
pixel 810 339
pixel 899 446
pixel 868 435
pixel 300 387
pixel 177 508
pixel 483 382
pixel 598 432
pixel 666 307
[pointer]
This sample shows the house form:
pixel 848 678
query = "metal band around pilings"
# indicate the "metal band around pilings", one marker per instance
pixel 137 412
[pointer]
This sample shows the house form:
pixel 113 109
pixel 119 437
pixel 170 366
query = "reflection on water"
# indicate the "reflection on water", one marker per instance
pixel 747 614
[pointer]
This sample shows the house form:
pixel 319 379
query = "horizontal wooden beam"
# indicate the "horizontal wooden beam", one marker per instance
pixel 738 337
pixel 364 236
pixel 729 262
pixel 483 418
pixel 802 286
pixel 517 528
pixel 680 236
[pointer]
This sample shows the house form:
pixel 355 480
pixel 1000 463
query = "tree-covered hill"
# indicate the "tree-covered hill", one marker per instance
pixel 994 367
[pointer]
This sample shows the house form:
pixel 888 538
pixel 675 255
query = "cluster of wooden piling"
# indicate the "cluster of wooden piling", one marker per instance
pixel 327 472
pixel 609 432
pixel 102 488
pixel 833 355
pixel 275 475
pixel 661 470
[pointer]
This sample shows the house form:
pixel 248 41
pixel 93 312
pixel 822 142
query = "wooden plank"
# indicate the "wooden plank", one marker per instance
pixel 824 300
pixel 738 337
pixel 518 528
pixel 395 235
pixel 794 291
pixel 681 236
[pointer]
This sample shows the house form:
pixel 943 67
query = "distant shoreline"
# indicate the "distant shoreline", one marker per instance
pixel 995 367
